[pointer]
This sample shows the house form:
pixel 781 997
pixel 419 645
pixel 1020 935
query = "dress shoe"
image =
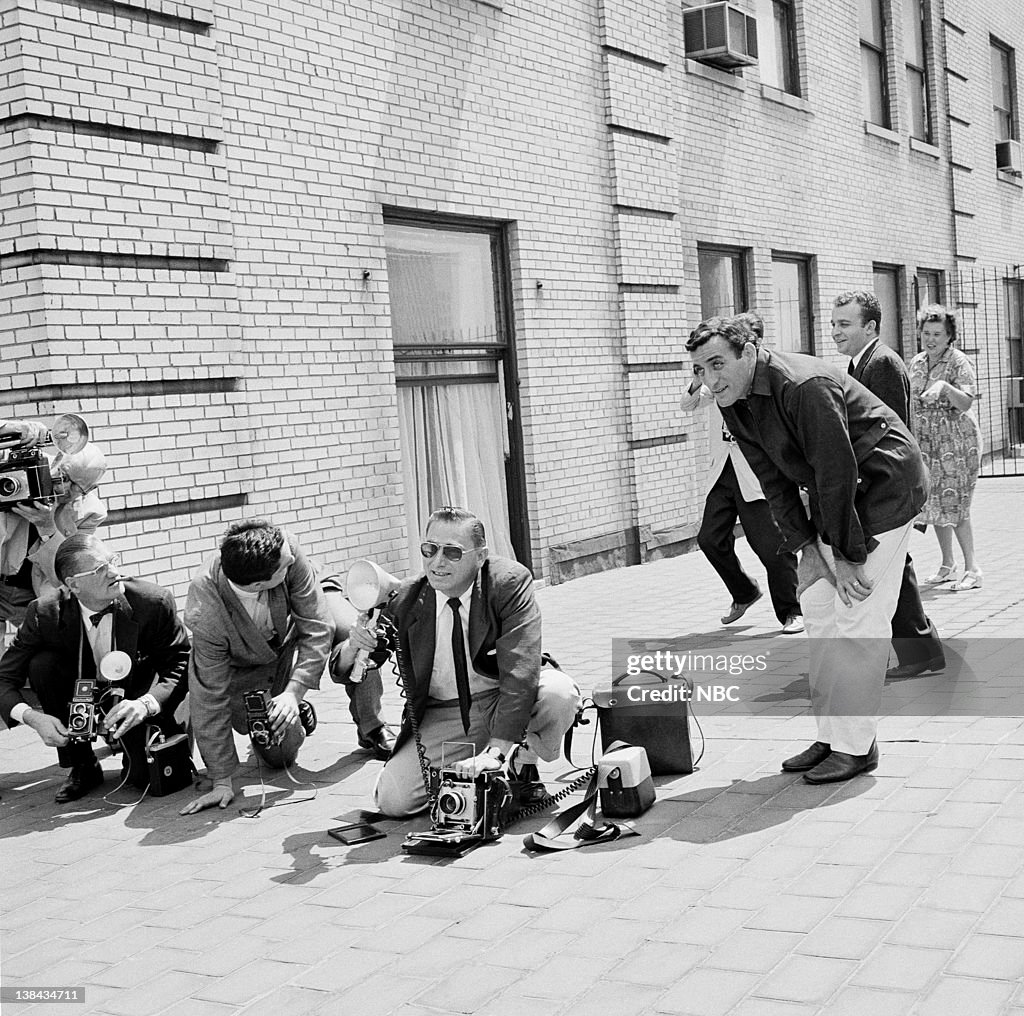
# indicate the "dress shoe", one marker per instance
pixel 307 717
pixel 381 742
pixel 936 663
pixel 794 625
pixel 737 610
pixel 839 766
pixel 808 758
pixel 81 779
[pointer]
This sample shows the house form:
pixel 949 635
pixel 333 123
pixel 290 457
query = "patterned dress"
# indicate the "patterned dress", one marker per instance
pixel 950 440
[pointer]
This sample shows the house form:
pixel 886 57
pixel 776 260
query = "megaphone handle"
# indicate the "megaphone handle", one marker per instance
pixel 363 656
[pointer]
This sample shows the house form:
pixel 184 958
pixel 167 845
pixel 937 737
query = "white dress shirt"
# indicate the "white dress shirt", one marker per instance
pixel 442 678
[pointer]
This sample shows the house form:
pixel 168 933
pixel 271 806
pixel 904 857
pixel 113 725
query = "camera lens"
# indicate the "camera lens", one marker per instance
pixel 450 803
pixel 9 486
pixel 76 721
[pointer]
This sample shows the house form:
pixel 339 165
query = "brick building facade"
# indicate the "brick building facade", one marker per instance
pixel 283 257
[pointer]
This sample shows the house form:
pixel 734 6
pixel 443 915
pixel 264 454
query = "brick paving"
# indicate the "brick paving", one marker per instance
pixel 750 893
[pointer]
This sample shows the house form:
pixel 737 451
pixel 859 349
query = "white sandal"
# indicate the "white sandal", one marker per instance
pixel 946 573
pixel 971 580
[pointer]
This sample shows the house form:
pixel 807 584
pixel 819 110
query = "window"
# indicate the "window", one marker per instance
pixel 930 287
pixel 794 320
pixel 1015 325
pixel 914 34
pixel 723 280
pixel 1004 92
pixel 451 335
pixel 874 73
pixel 887 289
pixel 777 55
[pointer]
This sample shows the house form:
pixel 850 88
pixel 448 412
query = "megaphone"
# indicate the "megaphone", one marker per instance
pixel 367 587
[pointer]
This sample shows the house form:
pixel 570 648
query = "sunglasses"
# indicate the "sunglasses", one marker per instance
pixel 110 565
pixel 429 551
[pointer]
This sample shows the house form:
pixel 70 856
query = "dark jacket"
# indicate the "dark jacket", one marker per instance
pixel 146 627
pixel 807 425
pixel 882 372
pixel 504 640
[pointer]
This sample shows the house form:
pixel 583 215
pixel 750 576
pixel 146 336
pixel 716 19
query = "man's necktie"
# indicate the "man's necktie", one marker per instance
pixel 459 658
pixel 849 367
pixel 100 614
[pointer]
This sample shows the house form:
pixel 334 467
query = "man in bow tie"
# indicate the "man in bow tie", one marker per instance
pixel 470 632
pixel 67 634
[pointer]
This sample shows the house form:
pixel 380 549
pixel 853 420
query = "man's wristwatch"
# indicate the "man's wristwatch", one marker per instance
pixel 495 753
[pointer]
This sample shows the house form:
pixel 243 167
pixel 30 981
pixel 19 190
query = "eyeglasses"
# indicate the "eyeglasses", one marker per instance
pixel 451 553
pixel 110 565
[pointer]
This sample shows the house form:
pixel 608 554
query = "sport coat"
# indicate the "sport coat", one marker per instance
pixel 504 640
pixel 807 425
pixel 145 626
pixel 881 371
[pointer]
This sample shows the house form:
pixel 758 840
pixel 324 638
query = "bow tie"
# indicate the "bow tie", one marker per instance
pixel 100 614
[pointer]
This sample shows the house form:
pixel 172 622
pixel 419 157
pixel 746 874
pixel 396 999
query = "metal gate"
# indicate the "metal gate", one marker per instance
pixel 991 306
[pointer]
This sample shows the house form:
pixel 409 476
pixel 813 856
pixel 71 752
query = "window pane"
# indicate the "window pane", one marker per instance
pixel 872 91
pixel 441 286
pixel 721 283
pixel 1002 92
pixel 918 104
pixel 871 25
pixel 913 32
pixel 887 290
pixel 929 287
pixel 792 306
pixel 768 50
pixel 784 55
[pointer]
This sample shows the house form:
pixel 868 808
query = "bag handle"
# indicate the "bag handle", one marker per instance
pixel 661 678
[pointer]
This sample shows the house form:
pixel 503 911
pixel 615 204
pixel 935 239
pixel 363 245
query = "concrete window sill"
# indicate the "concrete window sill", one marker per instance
pixel 881 132
pixel 716 75
pixel 773 94
pixel 917 145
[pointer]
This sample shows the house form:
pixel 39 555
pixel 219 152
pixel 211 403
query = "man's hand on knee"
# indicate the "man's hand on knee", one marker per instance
pixel 52 732
pixel 851 582
pixel 221 796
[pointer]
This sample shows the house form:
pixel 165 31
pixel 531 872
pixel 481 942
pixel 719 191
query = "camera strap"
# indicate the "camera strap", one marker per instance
pixel 579 826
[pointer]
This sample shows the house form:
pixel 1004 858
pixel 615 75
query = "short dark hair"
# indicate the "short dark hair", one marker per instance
pixel 452 513
pixel 754 321
pixel 736 331
pixel 870 308
pixel 936 312
pixel 251 551
pixel 65 561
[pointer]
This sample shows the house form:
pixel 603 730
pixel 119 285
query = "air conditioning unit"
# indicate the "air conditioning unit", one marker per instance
pixel 1015 399
pixel 1008 157
pixel 721 35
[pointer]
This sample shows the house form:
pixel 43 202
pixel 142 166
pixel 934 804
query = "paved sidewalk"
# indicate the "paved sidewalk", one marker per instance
pixel 749 894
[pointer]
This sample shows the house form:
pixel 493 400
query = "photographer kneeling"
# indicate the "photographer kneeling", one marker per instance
pixel 67 634
pixel 470 634
pixel 259 623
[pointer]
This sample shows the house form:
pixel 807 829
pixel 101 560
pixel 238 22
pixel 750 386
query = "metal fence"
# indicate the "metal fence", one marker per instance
pixel 991 306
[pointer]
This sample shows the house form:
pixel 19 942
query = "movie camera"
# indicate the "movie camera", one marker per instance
pixel 27 475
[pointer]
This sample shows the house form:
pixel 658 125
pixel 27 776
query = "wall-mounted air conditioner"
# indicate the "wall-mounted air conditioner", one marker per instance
pixel 1015 399
pixel 721 35
pixel 1008 157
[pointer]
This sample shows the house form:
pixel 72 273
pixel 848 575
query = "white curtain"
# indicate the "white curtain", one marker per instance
pixel 453 454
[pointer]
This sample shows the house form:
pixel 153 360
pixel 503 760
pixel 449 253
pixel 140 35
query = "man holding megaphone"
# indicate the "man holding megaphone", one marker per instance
pixel 470 633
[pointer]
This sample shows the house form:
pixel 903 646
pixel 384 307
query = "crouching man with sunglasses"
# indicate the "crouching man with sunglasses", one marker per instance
pixel 470 631
pixel 67 633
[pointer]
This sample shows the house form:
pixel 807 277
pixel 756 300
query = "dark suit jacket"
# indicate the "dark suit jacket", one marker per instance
pixel 504 640
pixel 807 425
pixel 882 371
pixel 146 627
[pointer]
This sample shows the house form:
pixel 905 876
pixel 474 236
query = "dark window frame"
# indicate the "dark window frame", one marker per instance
pixel 897 273
pixel 881 52
pixel 936 275
pixel 740 259
pixel 806 264
pixel 924 72
pixel 1010 115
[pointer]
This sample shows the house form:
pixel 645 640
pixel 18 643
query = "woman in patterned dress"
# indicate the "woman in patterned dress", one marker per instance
pixel 942 394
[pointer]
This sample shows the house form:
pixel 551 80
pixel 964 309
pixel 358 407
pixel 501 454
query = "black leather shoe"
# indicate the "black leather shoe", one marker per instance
pixel 381 742
pixel 935 664
pixel 839 766
pixel 307 717
pixel 808 758
pixel 737 610
pixel 81 779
